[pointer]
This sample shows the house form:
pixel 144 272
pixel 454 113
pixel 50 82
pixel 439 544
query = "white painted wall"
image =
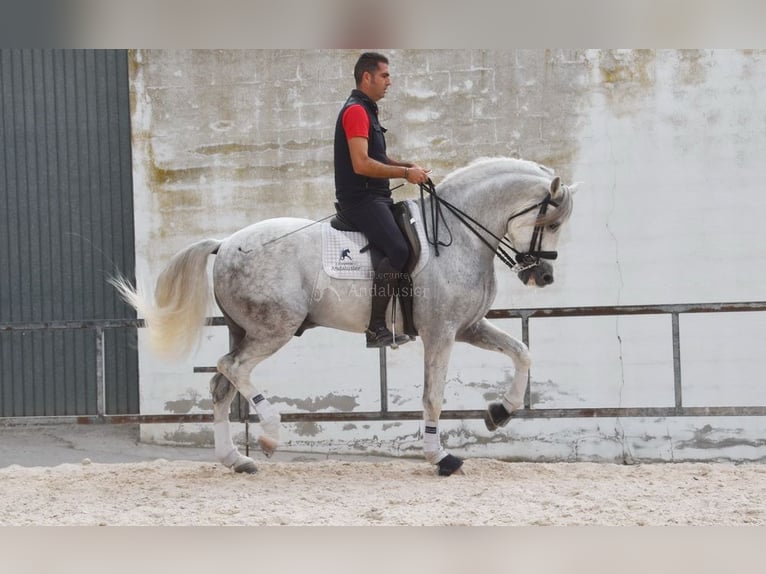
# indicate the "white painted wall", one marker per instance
pixel 668 143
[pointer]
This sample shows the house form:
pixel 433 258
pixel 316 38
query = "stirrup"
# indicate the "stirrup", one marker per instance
pixel 382 337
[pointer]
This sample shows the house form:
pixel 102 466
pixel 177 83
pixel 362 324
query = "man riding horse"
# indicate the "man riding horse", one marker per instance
pixel 362 173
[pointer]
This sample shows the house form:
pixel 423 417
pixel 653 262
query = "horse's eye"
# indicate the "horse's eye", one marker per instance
pixel 554 226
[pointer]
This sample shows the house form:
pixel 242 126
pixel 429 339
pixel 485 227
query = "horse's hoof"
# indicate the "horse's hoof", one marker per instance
pixel 496 416
pixel 450 465
pixel 245 465
pixel 268 445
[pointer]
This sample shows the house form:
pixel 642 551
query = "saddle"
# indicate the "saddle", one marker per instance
pixel 404 220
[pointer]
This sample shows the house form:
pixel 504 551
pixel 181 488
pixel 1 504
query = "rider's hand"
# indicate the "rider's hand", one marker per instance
pixel 417 174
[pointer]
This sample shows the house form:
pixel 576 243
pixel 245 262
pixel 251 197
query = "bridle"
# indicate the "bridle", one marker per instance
pixel 522 260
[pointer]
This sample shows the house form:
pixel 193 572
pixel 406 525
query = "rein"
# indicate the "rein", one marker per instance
pixel 522 260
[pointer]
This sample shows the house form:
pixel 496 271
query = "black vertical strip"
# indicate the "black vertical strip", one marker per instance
pixel 112 172
pixel 73 235
pixel 68 145
pixel 38 228
pixel 33 108
pixel 51 255
pixel 6 373
pixel 17 247
pixel 23 391
pixel 4 196
pixel 12 358
pixel 6 271
pixel 127 217
pixel 69 406
pixel 98 265
pixel 121 397
pixel 125 161
pixel 111 354
pixel 6 189
pixel 63 270
pixel 91 374
pixel 19 374
pixel 81 371
pixel 76 180
pixel 66 268
pixel 105 188
pixel 126 380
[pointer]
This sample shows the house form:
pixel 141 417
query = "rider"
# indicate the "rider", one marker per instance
pixel 362 173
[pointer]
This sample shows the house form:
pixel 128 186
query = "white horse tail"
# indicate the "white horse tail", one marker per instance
pixel 182 299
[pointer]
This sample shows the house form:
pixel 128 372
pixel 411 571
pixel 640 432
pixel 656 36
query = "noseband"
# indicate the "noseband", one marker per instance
pixel 532 256
pixel 522 260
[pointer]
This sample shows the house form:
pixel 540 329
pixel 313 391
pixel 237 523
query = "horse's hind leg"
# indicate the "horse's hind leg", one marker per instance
pixel 236 366
pixel 486 336
pixel 226 452
pixel 223 393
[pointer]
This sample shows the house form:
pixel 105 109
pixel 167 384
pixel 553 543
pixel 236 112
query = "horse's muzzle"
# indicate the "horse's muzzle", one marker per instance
pixel 538 275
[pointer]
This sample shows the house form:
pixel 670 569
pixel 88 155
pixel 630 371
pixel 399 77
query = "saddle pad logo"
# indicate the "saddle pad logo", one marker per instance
pixel 346 264
pixel 345 254
pixel 340 254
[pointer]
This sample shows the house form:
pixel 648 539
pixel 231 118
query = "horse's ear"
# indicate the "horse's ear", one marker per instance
pixel 555 185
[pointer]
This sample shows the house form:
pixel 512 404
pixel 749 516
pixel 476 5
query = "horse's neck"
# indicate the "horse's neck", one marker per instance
pixel 492 205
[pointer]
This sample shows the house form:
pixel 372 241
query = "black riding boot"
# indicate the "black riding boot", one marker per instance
pixel 384 285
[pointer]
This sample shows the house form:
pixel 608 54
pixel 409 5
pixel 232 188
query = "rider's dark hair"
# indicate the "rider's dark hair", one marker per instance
pixel 368 62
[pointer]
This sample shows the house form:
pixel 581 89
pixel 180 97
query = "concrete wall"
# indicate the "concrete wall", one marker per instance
pixel 668 143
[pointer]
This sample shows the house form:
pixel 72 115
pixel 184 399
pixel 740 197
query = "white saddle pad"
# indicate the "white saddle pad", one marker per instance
pixel 340 250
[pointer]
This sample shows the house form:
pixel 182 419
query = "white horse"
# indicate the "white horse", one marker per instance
pixel 266 279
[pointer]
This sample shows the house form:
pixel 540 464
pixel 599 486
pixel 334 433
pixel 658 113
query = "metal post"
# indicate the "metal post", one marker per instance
pixel 383 381
pixel 100 374
pixel 677 360
pixel 525 339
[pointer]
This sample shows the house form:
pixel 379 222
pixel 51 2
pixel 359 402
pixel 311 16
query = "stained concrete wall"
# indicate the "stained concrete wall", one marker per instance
pixel 669 145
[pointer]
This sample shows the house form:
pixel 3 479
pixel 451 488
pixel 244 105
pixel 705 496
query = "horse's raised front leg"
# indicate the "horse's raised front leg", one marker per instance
pixel 437 354
pixel 486 336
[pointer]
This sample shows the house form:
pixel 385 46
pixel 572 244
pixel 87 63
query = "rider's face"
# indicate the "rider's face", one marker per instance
pixel 378 82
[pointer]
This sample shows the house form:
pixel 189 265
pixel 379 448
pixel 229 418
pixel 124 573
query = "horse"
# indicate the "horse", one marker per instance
pixel 268 281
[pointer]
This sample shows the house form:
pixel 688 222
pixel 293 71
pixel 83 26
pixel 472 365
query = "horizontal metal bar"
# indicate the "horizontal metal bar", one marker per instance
pixel 605 412
pixel 68 325
pixel 90 324
pixel 592 311
pixel 627 310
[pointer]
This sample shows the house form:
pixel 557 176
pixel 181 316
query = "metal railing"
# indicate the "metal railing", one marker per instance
pixel 385 414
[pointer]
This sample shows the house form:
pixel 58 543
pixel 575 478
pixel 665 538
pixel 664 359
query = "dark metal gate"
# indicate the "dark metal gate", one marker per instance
pixel 66 222
pixel 530 411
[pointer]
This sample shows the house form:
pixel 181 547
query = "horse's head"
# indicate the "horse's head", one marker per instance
pixel 534 233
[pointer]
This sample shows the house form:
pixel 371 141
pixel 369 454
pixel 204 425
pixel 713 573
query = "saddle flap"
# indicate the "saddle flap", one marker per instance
pixel 406 222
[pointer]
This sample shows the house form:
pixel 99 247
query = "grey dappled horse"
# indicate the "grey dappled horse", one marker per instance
pixel 269 282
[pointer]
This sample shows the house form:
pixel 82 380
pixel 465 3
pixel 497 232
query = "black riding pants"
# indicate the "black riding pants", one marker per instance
pixel 374 217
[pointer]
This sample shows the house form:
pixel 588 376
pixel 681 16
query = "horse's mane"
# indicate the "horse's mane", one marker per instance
pixel 507 163
pixel 523 166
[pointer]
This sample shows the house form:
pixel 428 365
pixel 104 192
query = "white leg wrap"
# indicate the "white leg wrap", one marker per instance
pixel 513 399
pixel 268 415
pixel 511 406
pixel 225 451
pixel 432 449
